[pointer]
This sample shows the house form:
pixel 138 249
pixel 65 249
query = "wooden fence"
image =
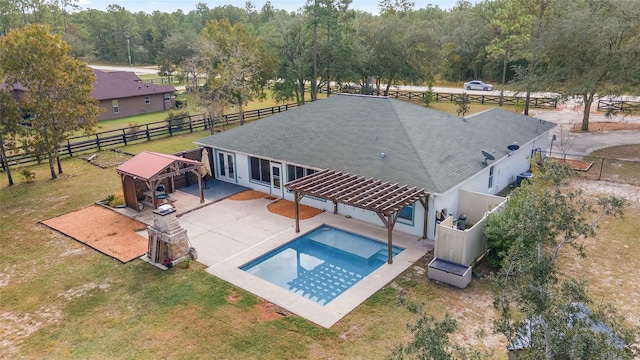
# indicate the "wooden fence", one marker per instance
pixel 535 102
pixel 618 105
pixel 79 145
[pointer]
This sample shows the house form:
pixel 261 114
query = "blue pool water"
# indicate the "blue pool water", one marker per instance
pixel 321 264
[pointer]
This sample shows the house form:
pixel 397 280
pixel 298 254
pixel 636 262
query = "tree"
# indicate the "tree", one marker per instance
pixel 431 338
pixel 510 23
pixel 58 87
pixel 236 64
pixel 9 126
pixel 287 38
pixel 401 52
pixel 177 48
pixel 464 42
pixel 539 221
pixel 591 49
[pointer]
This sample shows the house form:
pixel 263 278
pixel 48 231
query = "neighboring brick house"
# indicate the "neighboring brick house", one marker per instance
pixel 122 94
pixel 18 92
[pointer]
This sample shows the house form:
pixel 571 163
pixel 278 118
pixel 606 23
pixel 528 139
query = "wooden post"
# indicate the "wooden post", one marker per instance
pixel 390 238
pixel 295 196
pixel 601 166
pixel 335 207
pixel 199 177
pixel 425 204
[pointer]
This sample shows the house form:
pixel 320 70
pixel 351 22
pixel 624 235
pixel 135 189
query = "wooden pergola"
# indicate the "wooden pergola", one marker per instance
pixel 151 168
pixel 384 198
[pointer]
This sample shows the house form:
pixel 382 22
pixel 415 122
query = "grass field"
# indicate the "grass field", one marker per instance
pixel 61 300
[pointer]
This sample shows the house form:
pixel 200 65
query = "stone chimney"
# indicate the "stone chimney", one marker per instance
pixel 167 239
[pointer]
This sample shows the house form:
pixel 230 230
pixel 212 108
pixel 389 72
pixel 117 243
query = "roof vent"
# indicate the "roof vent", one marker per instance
pixel 382 155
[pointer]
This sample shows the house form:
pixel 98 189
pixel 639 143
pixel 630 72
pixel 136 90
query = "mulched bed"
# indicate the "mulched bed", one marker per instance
pixel 579 165
pixel 104 230
pixel 247 195
pixel 287 208
pixel 280 207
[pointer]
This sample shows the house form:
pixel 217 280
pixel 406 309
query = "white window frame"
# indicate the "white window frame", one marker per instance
pixel 491 173
pixel 147 100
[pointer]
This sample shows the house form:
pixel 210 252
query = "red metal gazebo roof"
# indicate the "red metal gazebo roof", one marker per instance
pixel 147 164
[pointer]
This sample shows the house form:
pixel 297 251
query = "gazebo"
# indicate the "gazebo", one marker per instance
pixel 152 168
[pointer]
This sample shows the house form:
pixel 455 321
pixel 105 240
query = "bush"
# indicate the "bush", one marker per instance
pixel 115 200
pixel 29 176
pixel 176 119
pixel 462 102
pixel 428 97
pixel 133 129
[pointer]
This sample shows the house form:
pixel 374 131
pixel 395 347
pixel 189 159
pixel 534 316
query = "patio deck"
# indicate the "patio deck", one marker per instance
pixel 228 234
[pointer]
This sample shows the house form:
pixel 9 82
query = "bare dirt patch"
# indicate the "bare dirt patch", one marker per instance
pixel 105 230
pixel 579 165
pixel 606 126
pixel 592 189
pixel 247 195
pixel 612 253
pixel 269 311
pixel 287 208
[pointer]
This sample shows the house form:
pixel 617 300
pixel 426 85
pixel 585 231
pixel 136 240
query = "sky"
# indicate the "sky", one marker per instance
pixel 169 6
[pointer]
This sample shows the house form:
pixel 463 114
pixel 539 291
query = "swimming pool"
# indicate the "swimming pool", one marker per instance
pixel 321 264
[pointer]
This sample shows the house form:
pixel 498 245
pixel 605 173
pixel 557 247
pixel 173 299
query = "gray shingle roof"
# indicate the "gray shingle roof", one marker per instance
pixel 422 147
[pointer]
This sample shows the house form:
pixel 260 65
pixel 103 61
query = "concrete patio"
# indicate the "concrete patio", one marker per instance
pixel 187 199
pixel 228 234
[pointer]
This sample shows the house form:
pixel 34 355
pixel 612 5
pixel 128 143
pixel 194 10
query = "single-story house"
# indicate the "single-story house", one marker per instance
pixel 122 93
pixel 18 92
pixel 386 139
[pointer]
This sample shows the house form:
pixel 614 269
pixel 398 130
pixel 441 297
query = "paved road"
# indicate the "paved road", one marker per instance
pixel 135 69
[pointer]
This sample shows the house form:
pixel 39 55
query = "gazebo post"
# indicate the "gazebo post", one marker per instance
pixel 152 187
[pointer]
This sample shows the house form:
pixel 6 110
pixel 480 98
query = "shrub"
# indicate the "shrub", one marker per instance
pixel 176 119
pixel 29 176
pixel 462 101
pixel 133 129
pixel 428 97
pixel 114 200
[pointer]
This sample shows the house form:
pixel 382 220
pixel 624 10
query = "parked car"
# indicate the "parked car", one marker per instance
pixel 477 85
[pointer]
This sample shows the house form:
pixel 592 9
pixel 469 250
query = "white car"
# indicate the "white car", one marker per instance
pixel 477 85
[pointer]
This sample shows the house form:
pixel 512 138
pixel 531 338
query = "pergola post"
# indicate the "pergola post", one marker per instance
pixel 425 204
pixel 389 222
pixel 335 207
pixel 295 197
pixel 390 238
